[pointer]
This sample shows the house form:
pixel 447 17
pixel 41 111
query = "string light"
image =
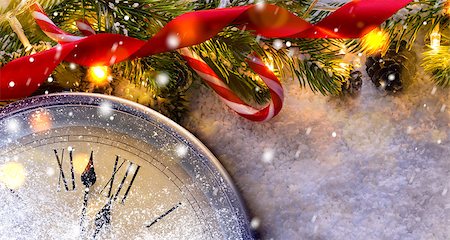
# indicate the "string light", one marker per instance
pixel 99 75
pixel 375 41
pixel 435 38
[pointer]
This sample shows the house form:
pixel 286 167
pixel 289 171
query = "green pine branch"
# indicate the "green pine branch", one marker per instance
pixel 418 17
pixel 437 63
pixel 226 54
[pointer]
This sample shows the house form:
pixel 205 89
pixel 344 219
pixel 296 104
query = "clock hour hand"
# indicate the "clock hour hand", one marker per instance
pixel 163 215
pixel 88 178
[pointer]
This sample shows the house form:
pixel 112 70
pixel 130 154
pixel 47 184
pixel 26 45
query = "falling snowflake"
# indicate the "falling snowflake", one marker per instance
pixel 50 171
pixel 162 79
pixel 181 150
pixel 12 125
pixel 173 41
pixel 308 131
pixel 72 66
pixel 255 223
pixel 277 44
pixel 106 109
pixel 268 155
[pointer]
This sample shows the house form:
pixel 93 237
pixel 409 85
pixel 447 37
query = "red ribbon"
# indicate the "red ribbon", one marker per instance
pixel 21 77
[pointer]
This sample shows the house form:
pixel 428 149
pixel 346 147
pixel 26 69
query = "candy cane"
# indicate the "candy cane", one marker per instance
pixel 49 28
pixel 195 62
pixel 230 98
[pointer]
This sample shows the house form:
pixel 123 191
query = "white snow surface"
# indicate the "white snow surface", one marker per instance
pixel 384 174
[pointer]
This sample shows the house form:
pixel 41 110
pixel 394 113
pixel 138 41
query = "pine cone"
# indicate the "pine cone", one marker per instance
pixel 353 84
pixel 388 72
pixel 385 74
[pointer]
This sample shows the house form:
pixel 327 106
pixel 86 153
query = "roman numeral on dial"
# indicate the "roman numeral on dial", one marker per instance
pixel 62 175
pixel 130 173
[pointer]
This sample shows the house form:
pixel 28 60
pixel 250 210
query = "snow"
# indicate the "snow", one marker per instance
pixel 373 166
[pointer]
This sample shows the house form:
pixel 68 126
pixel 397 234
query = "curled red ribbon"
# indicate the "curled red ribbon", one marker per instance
pixel 21 77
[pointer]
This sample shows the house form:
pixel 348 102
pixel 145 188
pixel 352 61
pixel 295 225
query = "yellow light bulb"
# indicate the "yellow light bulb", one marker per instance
pixel 12 174
pixel 375 41
pixel 435 38
pixel 98 75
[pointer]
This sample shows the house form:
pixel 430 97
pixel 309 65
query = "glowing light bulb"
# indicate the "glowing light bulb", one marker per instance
pixel 12 175
pixel 375 41
pixel 99 75
pixel 435 38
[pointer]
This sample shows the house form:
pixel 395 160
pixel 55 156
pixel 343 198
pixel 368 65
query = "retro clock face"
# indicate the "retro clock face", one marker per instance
pixel 79 166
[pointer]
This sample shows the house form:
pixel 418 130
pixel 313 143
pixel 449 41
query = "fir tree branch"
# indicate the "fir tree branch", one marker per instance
pixel 437 63
pixel 226 54
pixel 419 16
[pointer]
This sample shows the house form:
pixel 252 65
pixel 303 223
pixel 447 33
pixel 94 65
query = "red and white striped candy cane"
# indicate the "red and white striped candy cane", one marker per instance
pixel 49 27
pixel 229 97
pixel 199 66
pixel 85 28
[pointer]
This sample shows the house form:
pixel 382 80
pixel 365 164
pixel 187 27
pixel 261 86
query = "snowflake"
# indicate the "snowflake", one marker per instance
pixel 162 79
pixel 181 150
pixel 268 155
pixel 173 41
pixel 13 125
pixel 106 109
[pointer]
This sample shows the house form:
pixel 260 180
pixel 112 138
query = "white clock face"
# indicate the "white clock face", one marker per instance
pixel 87 167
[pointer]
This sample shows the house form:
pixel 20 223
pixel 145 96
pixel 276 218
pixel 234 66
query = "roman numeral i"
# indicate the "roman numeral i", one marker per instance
pixel 131 172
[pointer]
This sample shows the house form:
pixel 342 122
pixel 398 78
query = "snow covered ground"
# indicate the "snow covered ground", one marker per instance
pixel 369 167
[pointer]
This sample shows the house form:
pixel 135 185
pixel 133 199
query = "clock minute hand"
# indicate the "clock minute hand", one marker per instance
pixel 88 178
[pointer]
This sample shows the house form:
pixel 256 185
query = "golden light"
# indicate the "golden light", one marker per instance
pixel 99 75
pixel 40 120
pixel 447 8
pixel 375 41
pixel 269 63
pixel 12 175
pixel 80 161
pixel 435 38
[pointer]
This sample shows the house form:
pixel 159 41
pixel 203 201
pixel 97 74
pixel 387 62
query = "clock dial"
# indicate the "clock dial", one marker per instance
pixel 88 167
